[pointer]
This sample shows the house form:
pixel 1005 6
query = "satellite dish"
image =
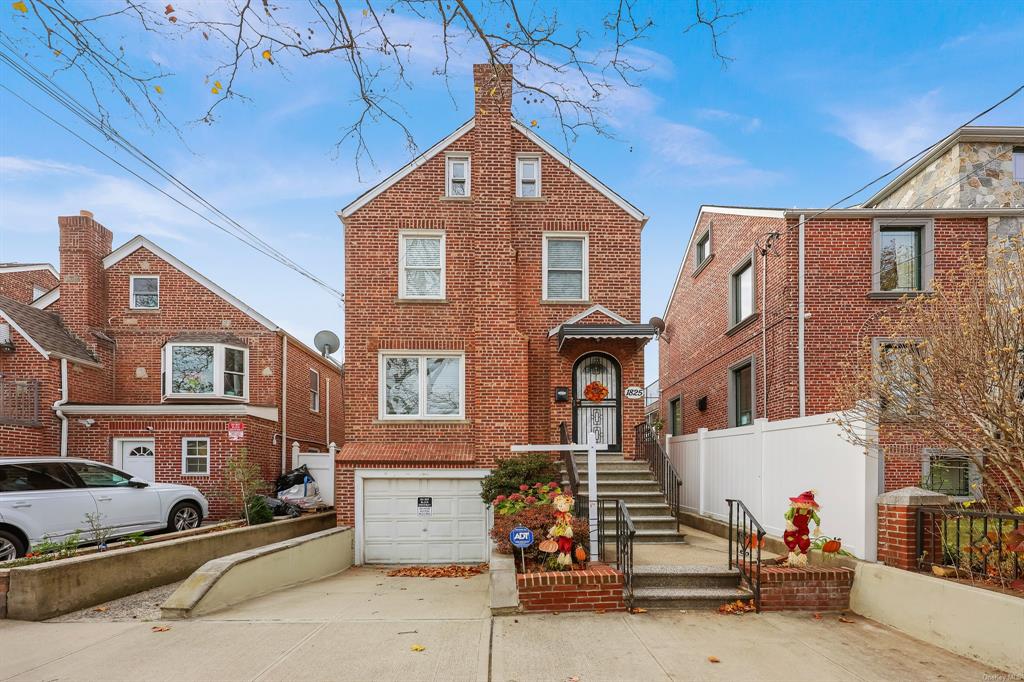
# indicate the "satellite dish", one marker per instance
pixel 326 342
pixel 658 324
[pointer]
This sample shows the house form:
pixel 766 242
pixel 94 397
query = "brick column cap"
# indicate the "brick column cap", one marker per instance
pixel 912 497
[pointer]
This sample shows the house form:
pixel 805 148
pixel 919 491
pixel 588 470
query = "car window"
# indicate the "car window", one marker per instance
pixel 98 476
pixel 38 476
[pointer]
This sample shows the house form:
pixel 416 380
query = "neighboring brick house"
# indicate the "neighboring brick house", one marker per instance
pixel 750 335
pixel 487 283
pixel 26 282
pixel 138 360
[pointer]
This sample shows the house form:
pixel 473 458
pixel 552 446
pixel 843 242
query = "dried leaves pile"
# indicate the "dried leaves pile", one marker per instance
pixel 736 608
pixel 450 571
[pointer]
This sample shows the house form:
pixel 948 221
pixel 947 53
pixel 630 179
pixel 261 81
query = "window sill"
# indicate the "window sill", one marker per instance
pixel 185 397
pixel 739 326
pixel 206 475
pixel 566 301
pixel 700 268
pixel 895 295
pixel 418 422
pixel 143 310
pixel 445 197
pixel 530 200
pixel 420 301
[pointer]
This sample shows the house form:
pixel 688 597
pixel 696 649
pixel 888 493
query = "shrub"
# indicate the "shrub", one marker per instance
pixel 539 519
pixel 257 510
pixel 525 469
pixel 528 496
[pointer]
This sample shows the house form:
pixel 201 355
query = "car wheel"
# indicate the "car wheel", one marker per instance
pixel 11 546
pixel 184 516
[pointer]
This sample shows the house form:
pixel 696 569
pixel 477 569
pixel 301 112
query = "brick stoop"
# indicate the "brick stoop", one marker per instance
pixel 597 588
pixel 808 588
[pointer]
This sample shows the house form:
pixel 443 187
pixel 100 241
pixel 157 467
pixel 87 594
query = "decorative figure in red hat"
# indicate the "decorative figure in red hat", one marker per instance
pixel 802 510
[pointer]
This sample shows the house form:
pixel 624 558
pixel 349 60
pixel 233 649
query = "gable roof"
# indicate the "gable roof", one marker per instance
pixel 44 331
pixel 372 193
pixel 1012 134
pixel 47 298
pixel 29 267
pixel 596 308
pixel 753 212
pixel 139 242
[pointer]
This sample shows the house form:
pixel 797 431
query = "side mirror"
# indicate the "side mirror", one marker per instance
pixel 137 483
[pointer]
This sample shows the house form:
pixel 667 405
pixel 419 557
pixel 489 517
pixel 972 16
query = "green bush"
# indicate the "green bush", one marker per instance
pixel 525 469
pixel 257 510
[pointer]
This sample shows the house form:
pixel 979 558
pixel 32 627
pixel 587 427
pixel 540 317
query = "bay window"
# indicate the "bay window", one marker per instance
pixel 422 385
pixel 205 370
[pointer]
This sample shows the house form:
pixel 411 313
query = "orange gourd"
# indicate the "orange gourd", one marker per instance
pixel 581 554
pixel 831 546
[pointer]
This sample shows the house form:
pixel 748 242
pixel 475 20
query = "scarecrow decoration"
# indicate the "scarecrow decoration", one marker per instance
pixel 802 510
pixel 561 532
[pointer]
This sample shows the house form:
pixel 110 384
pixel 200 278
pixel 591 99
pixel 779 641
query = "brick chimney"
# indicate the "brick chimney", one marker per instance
pixel 83 281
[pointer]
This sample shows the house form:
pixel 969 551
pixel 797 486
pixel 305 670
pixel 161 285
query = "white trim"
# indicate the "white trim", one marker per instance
pixel 317 408
pixel 131 292
pixel 596 308
pixel 225 410
pixel 459 157
pixel 580 236
pixel 389 181
pixel 422 387
pixel 421 234
pixel 31 341
pixel 138 242
pixel 30 268
pixel 362 474
pixel 118 455
pixel 726 210
pixel 209 455
pixel 219 369
pixel 610 194
pixel 528 156
pixel 46 299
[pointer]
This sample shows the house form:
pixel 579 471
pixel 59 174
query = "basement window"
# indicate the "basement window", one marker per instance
pixel 206 370
pixel 950 472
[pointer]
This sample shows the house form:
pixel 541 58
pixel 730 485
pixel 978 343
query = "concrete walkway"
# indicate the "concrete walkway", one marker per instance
pixel 362 625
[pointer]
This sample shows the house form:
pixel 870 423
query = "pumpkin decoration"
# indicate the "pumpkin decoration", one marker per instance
pixel 548 546
pixel 595 391
pixel 832 546
pixel 581 554
pixel 752 542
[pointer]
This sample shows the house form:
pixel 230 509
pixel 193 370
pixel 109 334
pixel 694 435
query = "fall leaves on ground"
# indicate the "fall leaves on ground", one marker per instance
pixel 450 571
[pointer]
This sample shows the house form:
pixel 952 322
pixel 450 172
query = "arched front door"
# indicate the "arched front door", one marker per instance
pixel 596 399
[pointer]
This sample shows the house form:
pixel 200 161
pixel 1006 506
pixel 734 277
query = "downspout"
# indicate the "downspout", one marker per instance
pixel 60 403
pixel 284 403
pixel 327 413
pixel 800 321
pixel 764 331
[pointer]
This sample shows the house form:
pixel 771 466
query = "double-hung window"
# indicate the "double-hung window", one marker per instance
pixel 421 261
pixel 899 378
pixel 675 416
pixel 427 385
pixel 702 253
pixel 902 255
pixel 741 394
pixel 528 177
pixel 566 271
pixel 457 176
pixel 205 370
pixel 145 292
pixel 195 456
pixel 741 292
pixel 1018 164
pixel 314 390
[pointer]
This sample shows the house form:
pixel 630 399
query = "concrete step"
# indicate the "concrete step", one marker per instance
pixel 616 475
pixel 663 523
pixel 616 488
pixel 661 537
pixel 683 576
pixel 687 597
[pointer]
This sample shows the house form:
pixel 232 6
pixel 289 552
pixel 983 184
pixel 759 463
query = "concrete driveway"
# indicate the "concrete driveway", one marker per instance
pixel 362 625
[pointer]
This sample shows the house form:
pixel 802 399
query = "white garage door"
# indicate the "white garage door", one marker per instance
pixel 397 528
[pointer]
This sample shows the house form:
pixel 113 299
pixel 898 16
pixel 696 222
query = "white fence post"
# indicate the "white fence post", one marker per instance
pixel 332 449
pixel 295 454
pixel 760 450
pixel 701 432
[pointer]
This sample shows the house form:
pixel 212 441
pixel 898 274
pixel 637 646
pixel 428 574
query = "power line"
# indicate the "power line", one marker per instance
pixel 45 84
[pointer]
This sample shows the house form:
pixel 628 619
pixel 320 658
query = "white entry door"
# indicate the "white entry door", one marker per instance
pixel 423 521
pixel 137 457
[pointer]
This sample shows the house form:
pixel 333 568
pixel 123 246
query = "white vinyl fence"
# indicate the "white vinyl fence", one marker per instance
pixel 770 461
pixel 321 466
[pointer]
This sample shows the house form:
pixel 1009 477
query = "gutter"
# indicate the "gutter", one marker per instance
pixel 59 403
pixel 800 317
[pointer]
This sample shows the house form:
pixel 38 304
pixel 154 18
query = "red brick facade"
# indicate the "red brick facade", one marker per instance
pixel 598 588
pixel 20 282
pixel 810 588
pixel 95 306
pixel 841 312
pixel 492 310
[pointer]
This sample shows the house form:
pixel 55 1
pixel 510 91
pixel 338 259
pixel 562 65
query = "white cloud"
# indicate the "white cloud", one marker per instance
pixel 893 133
pixel 13 166
pixel 747 124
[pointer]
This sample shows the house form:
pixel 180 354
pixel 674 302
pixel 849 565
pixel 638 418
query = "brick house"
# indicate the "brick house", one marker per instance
pixel 769 305
pixel 26 282
pixel 488 282
pixel 138 360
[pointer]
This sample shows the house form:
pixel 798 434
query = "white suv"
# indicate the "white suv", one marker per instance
pixel 52 497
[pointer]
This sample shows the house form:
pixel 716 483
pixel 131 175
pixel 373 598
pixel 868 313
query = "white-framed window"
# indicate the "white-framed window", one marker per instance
pixel 528 176
pixel 314 390
pixel 566 268
pixel 743 393
pixel 421 264
pixel 38 291
pixel 741 291
pixel 457 175
pixel 702 252
pixel 195 456
pixel 145 292
pixel 903 256
pixel 205 370
pixel 1018 164
pixel 422 385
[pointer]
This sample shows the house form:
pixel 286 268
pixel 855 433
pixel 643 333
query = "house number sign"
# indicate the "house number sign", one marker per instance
pixel 634 392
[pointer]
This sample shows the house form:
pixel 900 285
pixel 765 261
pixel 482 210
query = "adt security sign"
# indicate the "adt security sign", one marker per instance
pixel 521 537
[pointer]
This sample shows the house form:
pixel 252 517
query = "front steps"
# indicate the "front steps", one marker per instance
pixel 686 587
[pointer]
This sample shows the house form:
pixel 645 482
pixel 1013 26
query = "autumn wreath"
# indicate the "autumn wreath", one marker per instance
pixel 595 391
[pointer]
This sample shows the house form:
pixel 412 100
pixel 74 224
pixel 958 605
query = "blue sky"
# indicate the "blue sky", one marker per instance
pixel 820 98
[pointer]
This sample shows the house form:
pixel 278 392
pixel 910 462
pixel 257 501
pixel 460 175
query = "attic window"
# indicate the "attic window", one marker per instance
pixel 528 177
pixel 145 292
pixel 457 176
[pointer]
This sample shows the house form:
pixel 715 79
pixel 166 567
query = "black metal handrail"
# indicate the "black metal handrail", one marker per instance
pixel 625 532
pixel 972 542
pixel 649 448
pixel 572 471
pixel 745 539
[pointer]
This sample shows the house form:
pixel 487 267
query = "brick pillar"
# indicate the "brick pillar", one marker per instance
pixel 83 286
pixel 897 525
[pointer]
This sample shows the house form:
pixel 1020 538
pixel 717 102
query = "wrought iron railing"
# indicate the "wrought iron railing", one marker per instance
pixel 572 472
pixel 974 543
pixel 19 401
pixel 649 448
pixel 745 539
pixel 623 533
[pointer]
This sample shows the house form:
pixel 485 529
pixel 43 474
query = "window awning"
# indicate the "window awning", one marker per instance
pixel 604 331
